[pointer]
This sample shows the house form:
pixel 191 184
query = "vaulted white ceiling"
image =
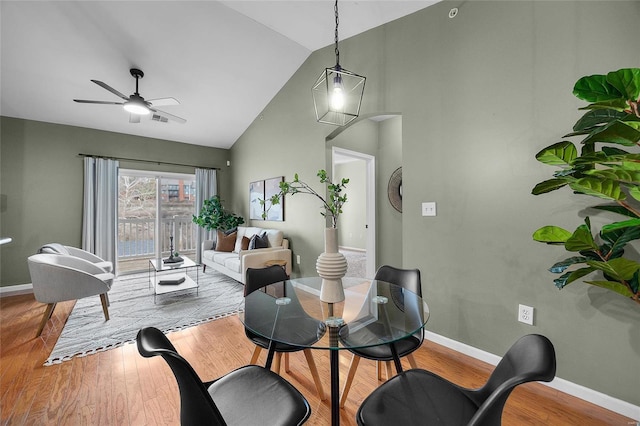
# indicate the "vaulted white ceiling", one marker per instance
pixel 215 57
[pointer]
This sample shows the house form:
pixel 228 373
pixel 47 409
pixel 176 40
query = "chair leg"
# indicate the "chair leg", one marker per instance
pixel 355 360
pixel 105 306
pixel 47 315
pixel 276 362
pixel 256 354
pixel 412 361
pixel 314 373
pixel 387 368
pixel 204 268
pixel 286 362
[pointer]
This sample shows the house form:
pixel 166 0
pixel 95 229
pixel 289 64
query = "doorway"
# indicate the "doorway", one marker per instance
pixel 357 231
pixel 154 204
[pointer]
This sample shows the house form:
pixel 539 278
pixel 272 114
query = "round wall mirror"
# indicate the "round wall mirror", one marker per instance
pixel 394 190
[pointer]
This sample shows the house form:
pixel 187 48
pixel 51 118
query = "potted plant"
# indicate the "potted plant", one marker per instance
pixel 609 171
pixel 214 217
pixel 331 264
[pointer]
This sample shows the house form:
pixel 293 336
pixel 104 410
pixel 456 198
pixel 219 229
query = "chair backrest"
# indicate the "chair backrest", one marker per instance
pixel 58 277
pixel 531 358
pixel 196 405
pixel 54 248
pixel 405 278
pixel 257 278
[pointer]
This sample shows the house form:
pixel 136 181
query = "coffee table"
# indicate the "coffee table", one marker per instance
pixel 171 277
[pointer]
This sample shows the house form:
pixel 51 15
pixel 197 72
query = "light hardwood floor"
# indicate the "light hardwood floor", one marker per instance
pixel 119 387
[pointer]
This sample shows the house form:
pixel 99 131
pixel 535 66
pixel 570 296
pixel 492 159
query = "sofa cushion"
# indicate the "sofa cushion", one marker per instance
pixel 275 237
pixel 224 242
pixel 221 257
pixel 245 231
pixel 259 241
pixel 233 264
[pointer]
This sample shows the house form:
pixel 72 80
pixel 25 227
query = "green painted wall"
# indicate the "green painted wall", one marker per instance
pixel 479 96
pixel 42 181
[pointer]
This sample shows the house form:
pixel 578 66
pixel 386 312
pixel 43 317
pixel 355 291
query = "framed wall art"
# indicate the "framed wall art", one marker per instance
pixel 272 187
pixel 256 193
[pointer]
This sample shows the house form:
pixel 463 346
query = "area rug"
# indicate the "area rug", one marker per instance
pixel 132 307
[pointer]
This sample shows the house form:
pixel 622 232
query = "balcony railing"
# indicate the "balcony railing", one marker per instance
pixel 136 236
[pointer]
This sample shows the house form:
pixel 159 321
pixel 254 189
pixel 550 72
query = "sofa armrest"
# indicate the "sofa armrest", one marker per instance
pixel 208 245
pixel 257 258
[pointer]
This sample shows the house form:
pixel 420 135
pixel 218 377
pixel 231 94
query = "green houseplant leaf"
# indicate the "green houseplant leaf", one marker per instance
pixel 549 185
pixel 595 88
pixel 602 188
pixel 626 81
pixel 597 117
pixel 552 235
pixel 572 276
pixel 602 170
pixel 616 132
pixel 559 154
pixel 580 240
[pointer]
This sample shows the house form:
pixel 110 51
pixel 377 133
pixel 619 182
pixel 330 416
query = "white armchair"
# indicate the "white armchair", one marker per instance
pixel 58 277
pixel 57 248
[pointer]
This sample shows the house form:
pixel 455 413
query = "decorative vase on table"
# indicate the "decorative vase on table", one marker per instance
pixel 331 266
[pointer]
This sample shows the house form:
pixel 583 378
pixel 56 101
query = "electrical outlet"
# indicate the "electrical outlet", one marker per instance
pixel 429 208
pixel 525 314
pixel 298 259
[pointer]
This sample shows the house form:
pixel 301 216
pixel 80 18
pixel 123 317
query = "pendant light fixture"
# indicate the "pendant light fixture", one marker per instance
pixel 337 93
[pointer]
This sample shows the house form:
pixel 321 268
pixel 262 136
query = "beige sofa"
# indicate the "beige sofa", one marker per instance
pixel 235 263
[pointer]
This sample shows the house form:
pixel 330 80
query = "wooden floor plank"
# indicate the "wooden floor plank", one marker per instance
pixel 121 387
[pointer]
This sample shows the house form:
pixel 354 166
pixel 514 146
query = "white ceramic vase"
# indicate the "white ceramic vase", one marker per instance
pixel 331 266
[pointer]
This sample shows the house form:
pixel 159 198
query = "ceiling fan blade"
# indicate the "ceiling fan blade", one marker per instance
pixel 163 102
pixel 168 116
pixel 134 118
pixel 84 101
pixel 111 89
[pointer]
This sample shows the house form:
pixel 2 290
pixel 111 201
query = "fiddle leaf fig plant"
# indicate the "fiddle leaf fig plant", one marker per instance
pixel 607 167
pixel 332 205
pixel 213 216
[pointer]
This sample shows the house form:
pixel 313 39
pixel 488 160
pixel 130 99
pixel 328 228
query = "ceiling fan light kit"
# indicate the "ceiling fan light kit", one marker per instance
pixel 136 105
pixel 337 93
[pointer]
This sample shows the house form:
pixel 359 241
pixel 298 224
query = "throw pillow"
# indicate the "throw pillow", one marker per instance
pixel 259 241
pixel 230 231
pixel 244 245
pixel 225 242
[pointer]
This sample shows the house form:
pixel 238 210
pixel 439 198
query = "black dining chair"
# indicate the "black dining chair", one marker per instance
pixel 408 279
pixel 419 397
pixel 258 278
pixel 249 395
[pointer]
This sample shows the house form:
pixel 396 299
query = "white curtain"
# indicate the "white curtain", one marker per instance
pixel 100 209
pixel 206 187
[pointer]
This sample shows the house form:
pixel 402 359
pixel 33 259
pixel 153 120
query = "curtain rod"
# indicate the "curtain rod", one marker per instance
pixel 146 161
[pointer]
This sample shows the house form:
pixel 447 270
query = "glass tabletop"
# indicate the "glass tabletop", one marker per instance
pixel 159 264
pixel 373 313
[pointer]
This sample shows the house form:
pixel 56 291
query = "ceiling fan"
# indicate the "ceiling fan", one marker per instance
pixel 136 105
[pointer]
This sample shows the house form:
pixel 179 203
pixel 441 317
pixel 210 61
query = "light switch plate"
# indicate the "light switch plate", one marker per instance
pixel 429 208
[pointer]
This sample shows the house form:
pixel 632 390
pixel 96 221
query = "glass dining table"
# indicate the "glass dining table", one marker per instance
pixel 373 313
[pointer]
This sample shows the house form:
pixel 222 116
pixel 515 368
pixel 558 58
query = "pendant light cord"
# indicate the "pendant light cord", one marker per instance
pixel 336 37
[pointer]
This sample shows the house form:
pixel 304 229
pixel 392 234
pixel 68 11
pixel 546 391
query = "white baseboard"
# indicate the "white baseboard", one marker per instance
pixel 14 290
pixel 616 405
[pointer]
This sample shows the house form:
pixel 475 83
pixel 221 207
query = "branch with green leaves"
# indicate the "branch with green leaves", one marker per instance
pixel 332 205
pixel 611 174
